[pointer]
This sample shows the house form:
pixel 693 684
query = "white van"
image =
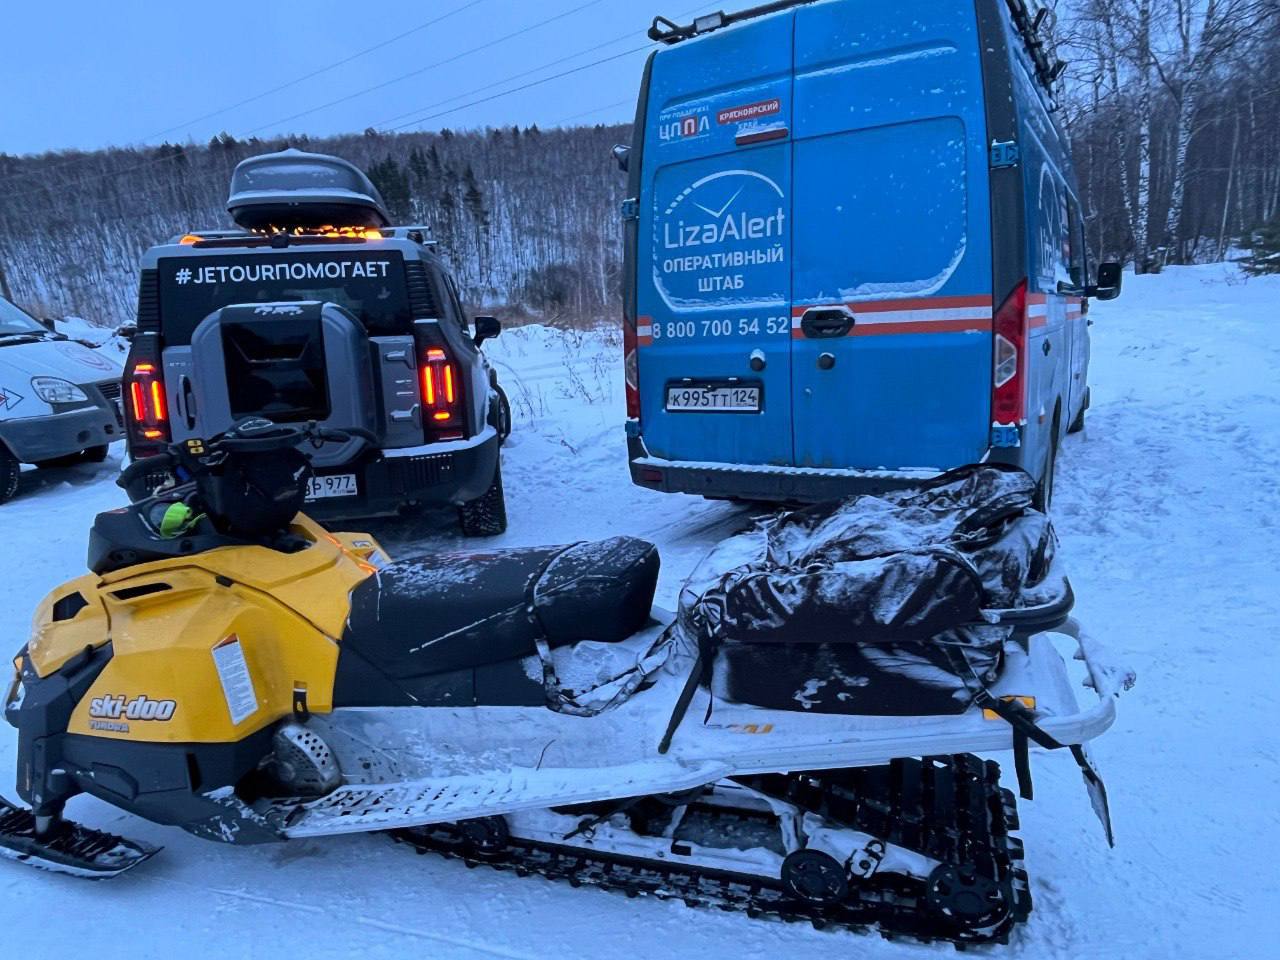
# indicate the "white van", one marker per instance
pixel 59 400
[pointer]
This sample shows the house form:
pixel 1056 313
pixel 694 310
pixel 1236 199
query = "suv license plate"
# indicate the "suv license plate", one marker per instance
pixel 337 485
pixel 708 398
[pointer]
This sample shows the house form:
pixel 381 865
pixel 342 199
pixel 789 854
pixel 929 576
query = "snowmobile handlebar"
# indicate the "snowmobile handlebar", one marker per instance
pixel 255 435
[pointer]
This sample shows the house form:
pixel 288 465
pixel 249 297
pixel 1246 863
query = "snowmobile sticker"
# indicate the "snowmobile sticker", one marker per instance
pixel 237 682
pixel 9 399
pixel 112 707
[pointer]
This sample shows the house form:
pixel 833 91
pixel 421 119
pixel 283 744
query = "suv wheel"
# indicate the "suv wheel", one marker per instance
pixel 485 516
pixel 10 469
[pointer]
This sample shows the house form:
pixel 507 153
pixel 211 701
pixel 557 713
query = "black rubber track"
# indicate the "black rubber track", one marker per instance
pixel 952 809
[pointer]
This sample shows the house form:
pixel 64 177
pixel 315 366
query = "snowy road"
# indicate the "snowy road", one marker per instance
pixel 1168 507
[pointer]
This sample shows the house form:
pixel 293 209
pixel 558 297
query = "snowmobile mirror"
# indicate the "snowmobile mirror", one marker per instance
pixel 622 154
pixel 486 329
pixel 127 331
pixel 1110 278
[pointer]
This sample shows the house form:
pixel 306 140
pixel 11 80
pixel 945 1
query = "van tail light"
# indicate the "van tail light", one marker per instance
pixel 146 408
pixel 631 369
pixel 441 388
pixel 1009 363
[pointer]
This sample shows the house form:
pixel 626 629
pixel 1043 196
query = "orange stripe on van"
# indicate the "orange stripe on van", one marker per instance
pixel 920 303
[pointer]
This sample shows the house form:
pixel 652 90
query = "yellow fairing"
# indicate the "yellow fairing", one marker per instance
pixel 278 615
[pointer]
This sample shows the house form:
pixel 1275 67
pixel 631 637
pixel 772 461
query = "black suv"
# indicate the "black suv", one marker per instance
pixel 318 309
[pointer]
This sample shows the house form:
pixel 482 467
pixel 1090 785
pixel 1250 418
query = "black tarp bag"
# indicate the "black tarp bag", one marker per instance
pixel 877 605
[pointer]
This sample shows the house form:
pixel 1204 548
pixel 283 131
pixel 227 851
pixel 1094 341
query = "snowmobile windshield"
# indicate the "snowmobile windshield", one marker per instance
pixel 372 285
pixel 17 323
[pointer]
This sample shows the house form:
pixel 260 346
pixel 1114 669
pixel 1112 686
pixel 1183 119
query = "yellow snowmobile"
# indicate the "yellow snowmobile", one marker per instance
pixel 232 668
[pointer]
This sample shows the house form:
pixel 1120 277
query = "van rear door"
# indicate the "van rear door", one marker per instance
pixel 713 267
pixel 891 258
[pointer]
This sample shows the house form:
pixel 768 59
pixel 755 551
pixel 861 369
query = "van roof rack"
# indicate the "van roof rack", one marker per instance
pixel 1028 25
pixel 667 31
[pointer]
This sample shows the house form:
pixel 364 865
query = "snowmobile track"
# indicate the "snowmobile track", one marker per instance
pixel 952 809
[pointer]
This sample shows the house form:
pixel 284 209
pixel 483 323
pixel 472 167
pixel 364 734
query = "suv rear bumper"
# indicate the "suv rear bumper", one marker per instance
pixel 453 471
pixel 762 481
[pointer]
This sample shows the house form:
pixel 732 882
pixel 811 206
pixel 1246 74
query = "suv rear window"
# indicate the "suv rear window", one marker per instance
pixel 370 284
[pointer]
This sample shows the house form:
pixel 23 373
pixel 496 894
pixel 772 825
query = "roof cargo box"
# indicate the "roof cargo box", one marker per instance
pixel 296 189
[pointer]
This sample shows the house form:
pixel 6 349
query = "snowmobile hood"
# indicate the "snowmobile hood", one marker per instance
pixel 64 359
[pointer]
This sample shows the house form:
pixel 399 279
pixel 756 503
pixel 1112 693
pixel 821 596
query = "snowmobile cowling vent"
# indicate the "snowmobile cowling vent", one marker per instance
pixel 293 189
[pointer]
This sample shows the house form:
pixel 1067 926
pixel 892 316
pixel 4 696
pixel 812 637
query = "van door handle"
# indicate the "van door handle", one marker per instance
pixel 822 323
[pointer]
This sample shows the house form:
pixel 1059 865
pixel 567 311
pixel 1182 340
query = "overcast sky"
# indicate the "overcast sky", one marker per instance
pixel 88 73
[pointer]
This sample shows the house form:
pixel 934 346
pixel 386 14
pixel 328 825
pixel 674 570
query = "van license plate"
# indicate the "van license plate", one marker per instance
pixel 337 485
pixel 709 398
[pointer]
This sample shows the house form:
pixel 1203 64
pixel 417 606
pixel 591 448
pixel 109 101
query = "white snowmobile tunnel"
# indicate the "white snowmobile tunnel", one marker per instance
pixel 843 635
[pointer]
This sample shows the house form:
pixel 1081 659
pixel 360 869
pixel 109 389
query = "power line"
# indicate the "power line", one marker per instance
pixel 69 161
pixel 522 87
pixel 586 113
pixel 525 73
pixel 153 161
pixel 431 66
pixel 422 119
pixel 325 69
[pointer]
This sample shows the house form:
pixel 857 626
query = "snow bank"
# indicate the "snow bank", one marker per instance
pixel 1167 508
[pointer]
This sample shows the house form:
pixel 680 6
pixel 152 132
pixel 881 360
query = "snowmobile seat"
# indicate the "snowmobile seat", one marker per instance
pixel 433 615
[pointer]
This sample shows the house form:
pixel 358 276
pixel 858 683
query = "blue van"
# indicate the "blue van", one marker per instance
pixel 855 254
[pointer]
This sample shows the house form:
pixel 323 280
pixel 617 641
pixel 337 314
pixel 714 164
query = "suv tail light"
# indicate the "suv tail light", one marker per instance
pixel 631 369
pixel 441 394
pixel 145 406
pixel 1009 363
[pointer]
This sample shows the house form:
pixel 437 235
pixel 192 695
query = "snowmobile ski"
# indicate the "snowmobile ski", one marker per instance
pixel 72 849
pixel 941 863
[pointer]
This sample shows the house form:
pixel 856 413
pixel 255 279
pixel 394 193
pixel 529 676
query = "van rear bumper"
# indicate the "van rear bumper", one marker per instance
pixel 33 439
pixel 436 473
pixel 762 481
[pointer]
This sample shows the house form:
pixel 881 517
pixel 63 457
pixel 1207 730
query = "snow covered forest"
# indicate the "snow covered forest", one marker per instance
pixel 529 218
pixel 1173 107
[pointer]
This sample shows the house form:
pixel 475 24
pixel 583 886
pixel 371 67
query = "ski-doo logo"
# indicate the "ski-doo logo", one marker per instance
pixel 278 310
pixel 139 708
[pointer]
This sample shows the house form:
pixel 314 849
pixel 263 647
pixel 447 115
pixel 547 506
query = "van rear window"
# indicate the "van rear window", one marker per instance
pixel 370 284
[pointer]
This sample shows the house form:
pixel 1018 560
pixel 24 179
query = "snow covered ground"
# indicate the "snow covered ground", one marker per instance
pixel 1167 506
